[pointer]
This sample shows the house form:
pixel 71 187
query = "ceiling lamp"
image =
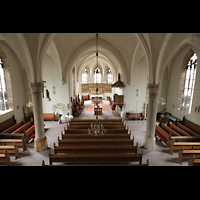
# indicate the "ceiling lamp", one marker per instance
pixel 119 83
pixel 96 129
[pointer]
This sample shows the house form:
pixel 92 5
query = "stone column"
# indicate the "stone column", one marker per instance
pixel 151 118
pixel 40 138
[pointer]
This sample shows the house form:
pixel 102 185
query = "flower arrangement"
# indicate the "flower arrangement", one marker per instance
pixel 61 106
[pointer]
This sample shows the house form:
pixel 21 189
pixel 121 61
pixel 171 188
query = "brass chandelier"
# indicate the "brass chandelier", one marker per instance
pixel 96 129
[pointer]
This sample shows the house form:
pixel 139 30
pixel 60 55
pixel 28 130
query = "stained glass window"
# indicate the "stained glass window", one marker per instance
pixel 110 76
pixel 97 75
pixel 187 85
pixel 84 76
pixel 3 93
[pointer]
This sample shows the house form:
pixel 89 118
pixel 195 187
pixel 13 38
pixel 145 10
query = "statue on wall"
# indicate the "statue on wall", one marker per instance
pixel 47 95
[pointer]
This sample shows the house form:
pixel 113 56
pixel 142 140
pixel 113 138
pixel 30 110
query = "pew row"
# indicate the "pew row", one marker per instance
pixel 93 165
pixel 184 145
pixel 107 126
pixel 21 128
pixel 104 123
pixel 10 149
pixel 95 158
pixel 96 142
pixel 163 135
pixel 11 142
pixel 86 136
pixel 186 129
pixel 187 154
pixel 7 123
pixel 178 130
pixel 5 158
pixel 94 120
pixel 95 149
pixel 194 162
pixel 191 125
pixel 85 131
pixel 169 130
pixel 185 138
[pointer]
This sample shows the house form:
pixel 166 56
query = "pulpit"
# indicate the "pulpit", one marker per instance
pixel 119 100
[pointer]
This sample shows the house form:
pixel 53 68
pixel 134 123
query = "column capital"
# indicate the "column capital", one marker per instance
pixel 153 88
pixel 36 87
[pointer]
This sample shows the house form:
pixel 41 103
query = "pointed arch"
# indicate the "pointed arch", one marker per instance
pixel 146 47
pixel 28 56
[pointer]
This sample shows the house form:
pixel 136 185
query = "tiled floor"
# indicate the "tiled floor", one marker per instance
pixel 158 157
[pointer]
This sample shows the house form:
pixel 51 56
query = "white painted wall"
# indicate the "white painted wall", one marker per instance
pixel 132 102
pixel 51 74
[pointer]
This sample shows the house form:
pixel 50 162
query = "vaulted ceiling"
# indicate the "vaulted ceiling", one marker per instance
pixel 121 51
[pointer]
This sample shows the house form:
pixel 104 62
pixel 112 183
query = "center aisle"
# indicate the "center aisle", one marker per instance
pixel 90 114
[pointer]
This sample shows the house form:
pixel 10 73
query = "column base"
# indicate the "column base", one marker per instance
pixel 149 143
pixel 40 144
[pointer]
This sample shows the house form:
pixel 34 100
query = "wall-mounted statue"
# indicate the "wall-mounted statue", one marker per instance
pixel 47 95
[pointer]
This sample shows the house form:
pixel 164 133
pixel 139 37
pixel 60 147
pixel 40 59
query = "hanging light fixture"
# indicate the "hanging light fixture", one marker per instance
pixel 97 71
pixel 96 129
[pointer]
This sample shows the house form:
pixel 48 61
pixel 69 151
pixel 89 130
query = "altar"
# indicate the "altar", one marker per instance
pixel 96 98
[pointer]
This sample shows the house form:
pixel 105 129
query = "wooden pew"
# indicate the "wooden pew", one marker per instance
pixel 4 157
pixel 86 136
pixel 191 125
pixel 11 142
pixel 7 123
pixel 30 133
pixel 168 129
pixel 23 128
pixel 13 137
pixel 194 162
pixel 70 127
pixel 95 158
pixel 186 129
pixel 10 149
pixel 89 123
pixel 95 149
pixel 28 129
pixel 184 145
pixel 187 154
pixel 14 127
pixel 163 135
pixel 94 120
pixel 186 138
pixel 178 130
pixel 85 131
pixel 97 165
pixel 95 142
